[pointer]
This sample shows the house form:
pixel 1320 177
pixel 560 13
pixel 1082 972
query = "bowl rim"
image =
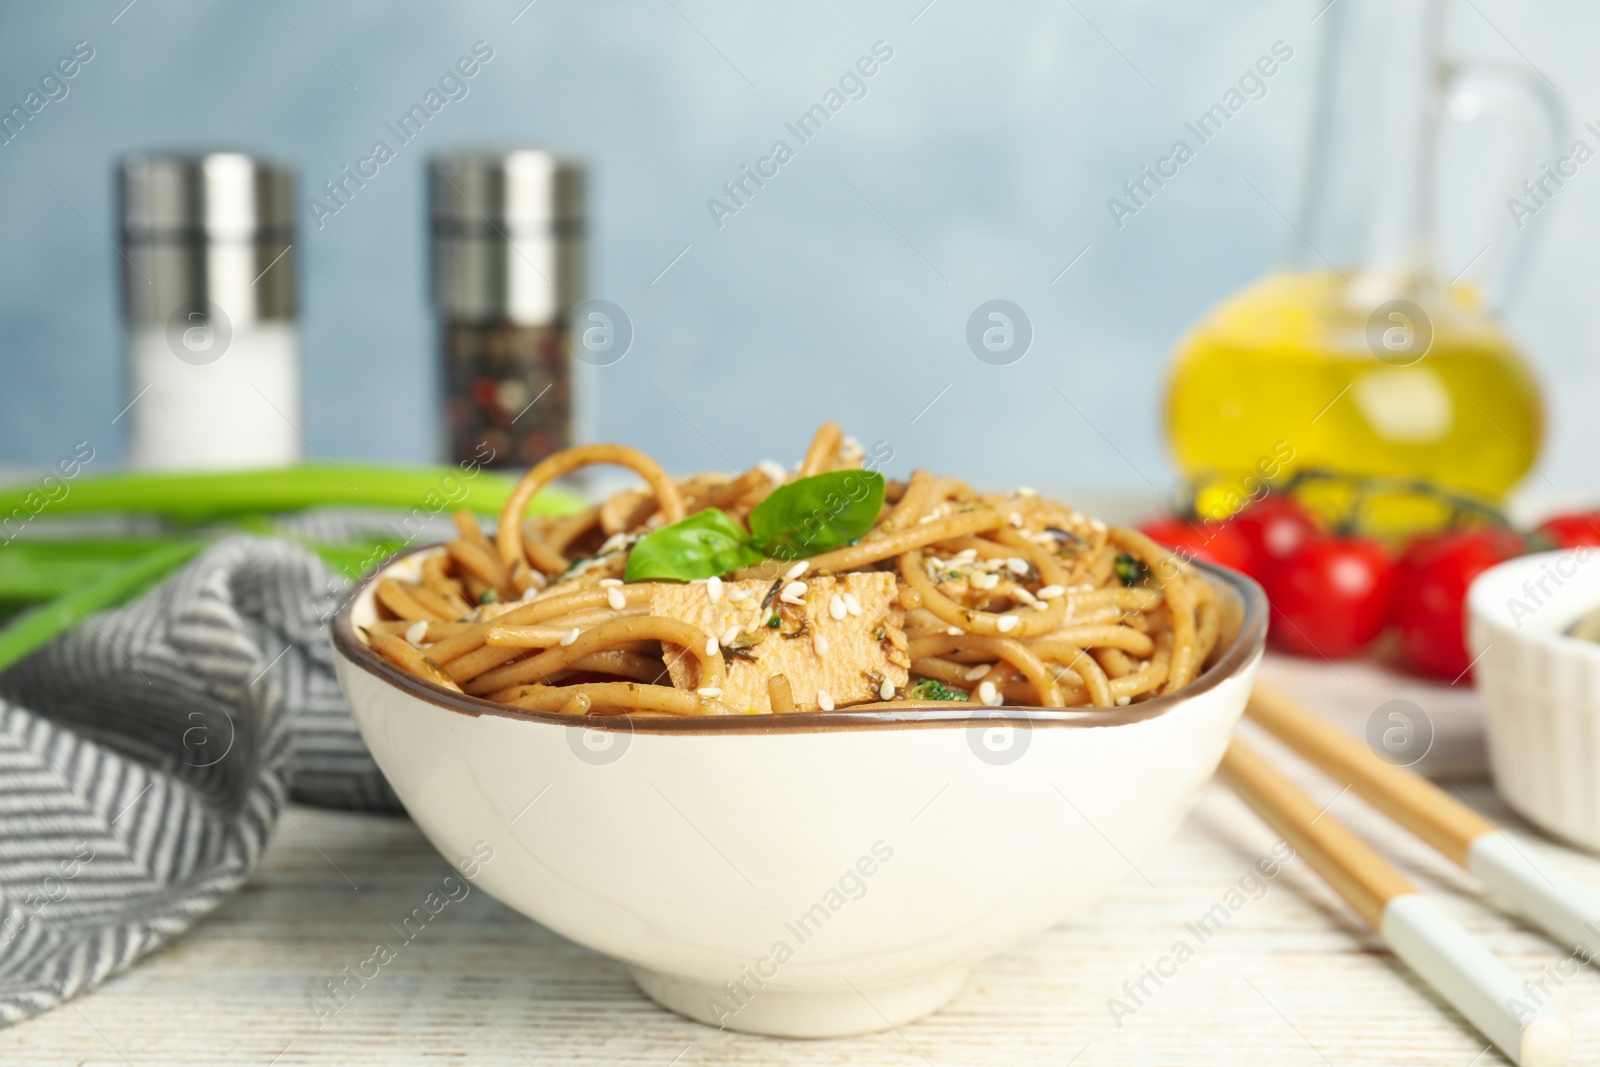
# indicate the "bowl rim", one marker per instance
pixel 1247 646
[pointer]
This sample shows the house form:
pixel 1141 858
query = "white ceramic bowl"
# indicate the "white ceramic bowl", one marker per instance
pixel 807 875
pixel 1541 688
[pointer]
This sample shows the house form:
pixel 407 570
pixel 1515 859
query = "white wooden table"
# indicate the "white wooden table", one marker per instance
pixel 1289 979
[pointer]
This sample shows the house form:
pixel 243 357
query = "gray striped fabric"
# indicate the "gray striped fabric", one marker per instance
pixel 144 758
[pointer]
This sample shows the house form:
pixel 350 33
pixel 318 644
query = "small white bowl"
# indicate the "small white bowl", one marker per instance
pixel 808 875
pixel 1541 688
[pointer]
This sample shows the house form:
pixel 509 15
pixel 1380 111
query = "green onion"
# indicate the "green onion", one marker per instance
pixel 933 689
pixel 193 497
pixel 1129 569
pixel 35 570
pixel 117 586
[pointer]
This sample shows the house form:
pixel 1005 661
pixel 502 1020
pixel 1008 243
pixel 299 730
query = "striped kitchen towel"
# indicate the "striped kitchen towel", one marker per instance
pixel 144 758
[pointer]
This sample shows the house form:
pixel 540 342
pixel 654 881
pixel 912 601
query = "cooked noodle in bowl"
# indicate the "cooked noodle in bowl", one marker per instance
pixel 798 747
pixel 769 593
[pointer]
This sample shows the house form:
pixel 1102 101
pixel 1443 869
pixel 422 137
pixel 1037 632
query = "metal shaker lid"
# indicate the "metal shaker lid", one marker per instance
pixel 507 231
pixel 215 196
pixel 211 233
pixel 522 190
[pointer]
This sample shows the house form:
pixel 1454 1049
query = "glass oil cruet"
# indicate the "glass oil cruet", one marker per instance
pixel 1362 356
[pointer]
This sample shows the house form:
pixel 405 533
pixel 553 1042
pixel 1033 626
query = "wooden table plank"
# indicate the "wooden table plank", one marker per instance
pixel 1290 978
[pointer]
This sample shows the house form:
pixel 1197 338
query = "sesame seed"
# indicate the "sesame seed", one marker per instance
pixel 714 588
pixel 614 542
pixel 966 555
pixel 1008 623
pixel 737 594
pixel 985 581
pixel 793 592
pixel 886 690
pixel 1026 490
pixel 417 632
pixel 710 692
pixel 851 604
pixel 796 571
pixel 987 694
pixel 615 598
pixel 824 701
pixel 1097 526
pixel 1041 605
pixel 1025 596
pixel 938 564
pixel 820 643
pixel 1018 565
pixel 836 607
pixel 955 631
pixel 977 671
pixel 610 583
pixel 1015 519
pixel 1123 702
pixel 730 634
pixel 1049 592
pixel 711 646
pixel 774 471
pixel 571 637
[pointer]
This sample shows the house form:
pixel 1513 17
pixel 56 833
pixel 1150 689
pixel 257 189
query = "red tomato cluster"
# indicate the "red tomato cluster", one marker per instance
pixel 1332 594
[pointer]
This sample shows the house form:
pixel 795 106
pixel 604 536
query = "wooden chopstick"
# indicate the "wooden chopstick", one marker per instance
pixel 1437 948
pixel 1550 897
pixel 1357 873
pixel 1405 796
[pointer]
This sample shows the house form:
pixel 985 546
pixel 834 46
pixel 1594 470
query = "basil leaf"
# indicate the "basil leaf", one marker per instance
pixel 813 515
pixel 706 543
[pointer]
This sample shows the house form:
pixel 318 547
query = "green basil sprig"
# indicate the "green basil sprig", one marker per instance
pixel 817 514
pixel 797 520
pixel 706 543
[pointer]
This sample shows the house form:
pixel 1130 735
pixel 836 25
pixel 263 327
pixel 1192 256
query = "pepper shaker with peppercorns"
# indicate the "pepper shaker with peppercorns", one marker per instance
pixel 507 264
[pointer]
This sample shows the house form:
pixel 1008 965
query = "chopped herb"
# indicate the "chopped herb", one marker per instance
pixel 1067 543
pixel 1130 569
pixel 955 574
pixel 879 634
pixel 741 645
pixel 766 601
pixel 489 597
pixel 774 622
pixel 933 689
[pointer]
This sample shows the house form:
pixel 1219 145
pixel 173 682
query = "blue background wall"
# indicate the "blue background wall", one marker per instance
pixel 977 166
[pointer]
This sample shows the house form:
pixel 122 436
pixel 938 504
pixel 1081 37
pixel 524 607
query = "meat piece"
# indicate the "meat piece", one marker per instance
pixel 847 658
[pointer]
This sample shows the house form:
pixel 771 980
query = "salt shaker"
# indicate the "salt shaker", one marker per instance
pixel 507 271
pixel 209 297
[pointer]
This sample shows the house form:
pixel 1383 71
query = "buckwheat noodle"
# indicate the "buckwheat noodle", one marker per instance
pixel 996 598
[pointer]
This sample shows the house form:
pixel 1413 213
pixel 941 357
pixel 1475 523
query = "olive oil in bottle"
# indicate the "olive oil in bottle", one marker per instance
pixel 1363 376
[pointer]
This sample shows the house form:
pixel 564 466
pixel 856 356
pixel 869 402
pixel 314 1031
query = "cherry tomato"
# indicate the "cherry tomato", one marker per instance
pixel 1431 594
pixel 1275 527
pixel 1570 531
pixel 1214 542
pixel 1330 597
